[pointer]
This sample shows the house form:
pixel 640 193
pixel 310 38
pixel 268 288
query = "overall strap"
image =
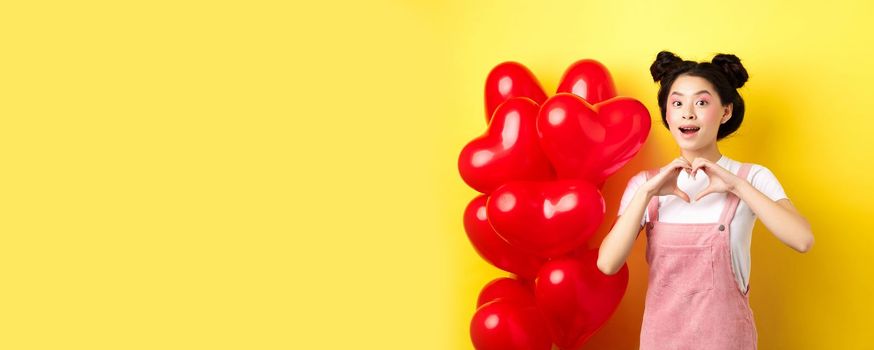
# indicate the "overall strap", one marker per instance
pixel 653 206
pixel 733 200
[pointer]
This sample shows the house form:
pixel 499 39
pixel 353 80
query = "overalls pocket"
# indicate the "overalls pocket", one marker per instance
pixel 684 269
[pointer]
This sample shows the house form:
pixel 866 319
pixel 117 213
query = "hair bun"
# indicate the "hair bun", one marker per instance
pixel 732 68
pixel 664 61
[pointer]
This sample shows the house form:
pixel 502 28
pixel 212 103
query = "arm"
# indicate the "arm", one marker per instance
pixel 617 245
pixel 779 217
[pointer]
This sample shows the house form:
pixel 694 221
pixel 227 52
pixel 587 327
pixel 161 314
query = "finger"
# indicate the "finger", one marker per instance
pixel 686 161
pixel 686 165
pixel 681 168
pixel 681 163
pixel 672 167
pixel 698 164
pixel 682 195
pixel 705 192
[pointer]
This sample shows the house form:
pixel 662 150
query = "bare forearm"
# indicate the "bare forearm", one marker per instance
pixel 617 245
pixel 790 228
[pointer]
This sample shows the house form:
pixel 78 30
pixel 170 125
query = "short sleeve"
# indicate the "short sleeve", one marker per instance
pixel 633 184
pixel 764 180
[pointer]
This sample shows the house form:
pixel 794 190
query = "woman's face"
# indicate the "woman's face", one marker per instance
pixel 694 112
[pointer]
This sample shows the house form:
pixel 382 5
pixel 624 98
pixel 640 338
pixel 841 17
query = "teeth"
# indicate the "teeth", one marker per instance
pixel 692 129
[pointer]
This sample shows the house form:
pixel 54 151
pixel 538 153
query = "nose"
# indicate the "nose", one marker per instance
pixel 689 112
pixel 689 115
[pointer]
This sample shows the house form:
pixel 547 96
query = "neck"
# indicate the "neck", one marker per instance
pixel 710 153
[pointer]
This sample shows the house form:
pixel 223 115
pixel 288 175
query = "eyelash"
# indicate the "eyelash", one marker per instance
pixel 676 102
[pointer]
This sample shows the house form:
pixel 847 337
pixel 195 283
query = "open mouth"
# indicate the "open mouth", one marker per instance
pixel 689 130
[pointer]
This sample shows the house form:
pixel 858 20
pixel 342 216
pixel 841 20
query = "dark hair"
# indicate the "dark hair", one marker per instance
pixel 725 72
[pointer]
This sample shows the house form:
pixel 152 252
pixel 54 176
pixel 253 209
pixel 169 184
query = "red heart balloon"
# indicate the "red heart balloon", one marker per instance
pixel 576 298
pixel 505 288
pixel 509 150
pixel 591 142
pixel 509 325
pixel 507 80
pixel 491 247
pixel 547 218
pixel 588 79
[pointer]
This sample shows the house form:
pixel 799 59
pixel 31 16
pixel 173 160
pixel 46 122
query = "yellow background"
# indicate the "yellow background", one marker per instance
pixel 279 175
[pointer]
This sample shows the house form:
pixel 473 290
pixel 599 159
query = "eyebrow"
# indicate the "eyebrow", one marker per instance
pixel 697 93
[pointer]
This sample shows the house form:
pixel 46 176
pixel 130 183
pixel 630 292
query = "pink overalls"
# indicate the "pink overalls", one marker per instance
pixel 693 301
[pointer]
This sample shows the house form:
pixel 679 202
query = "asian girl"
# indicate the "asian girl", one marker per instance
pixel 698 212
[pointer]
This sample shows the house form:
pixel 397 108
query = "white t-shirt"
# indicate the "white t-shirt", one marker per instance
pixel 674 210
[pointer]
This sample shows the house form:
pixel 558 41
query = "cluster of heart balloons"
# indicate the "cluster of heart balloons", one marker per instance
pixel 540 166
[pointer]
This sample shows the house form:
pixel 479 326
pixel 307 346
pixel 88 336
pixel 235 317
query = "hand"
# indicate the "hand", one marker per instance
pixel 721 180
pixel 665 182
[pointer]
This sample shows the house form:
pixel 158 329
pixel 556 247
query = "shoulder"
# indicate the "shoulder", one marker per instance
pixel 760 172
pixel 764 180
pixel 639 178
pixel 635 182
pixel 757 172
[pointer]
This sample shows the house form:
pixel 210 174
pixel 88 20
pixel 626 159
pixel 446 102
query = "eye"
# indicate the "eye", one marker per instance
pixel 675 103
pixel 701 102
